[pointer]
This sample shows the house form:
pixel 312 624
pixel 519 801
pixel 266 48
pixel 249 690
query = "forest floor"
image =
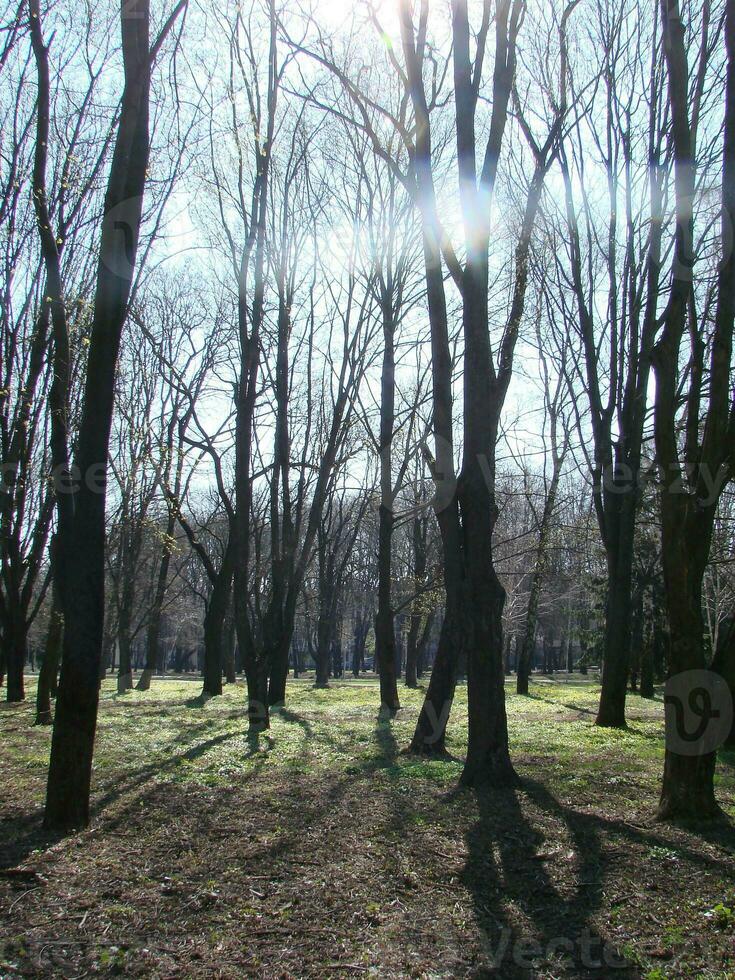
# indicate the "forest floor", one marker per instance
pixel 321 850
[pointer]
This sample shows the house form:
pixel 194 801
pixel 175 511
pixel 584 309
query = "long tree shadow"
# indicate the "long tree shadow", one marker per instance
pixel 531 918
pixel 22 834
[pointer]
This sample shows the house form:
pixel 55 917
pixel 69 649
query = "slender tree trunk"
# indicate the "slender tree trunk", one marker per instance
pixel 125 669
pixel 321 657
pixel 430 733
pixel 529 633
pixel 214 624
pixel 385 646
pixel 82 545
pixel 153 633
pixel 411 678
pixel 47 685
pixel 423 643
pixel 647 667
pixel 637 642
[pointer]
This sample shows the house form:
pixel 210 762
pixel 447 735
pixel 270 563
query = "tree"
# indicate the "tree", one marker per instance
pixel 475 596
pixel 618 136
pixel 555 410
pixel 79 562
pixel 694 469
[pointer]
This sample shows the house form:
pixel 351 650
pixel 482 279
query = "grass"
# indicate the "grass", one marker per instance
pixel 322 850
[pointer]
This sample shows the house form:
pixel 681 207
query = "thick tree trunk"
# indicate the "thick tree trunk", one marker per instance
pixel 647 669
pixel 488 758
pixel 278 660
pixel 723 663
pixel 212 667
pixel 229 646
pixel 47 684
pixel 483 596
pixel 429 737
pixel 618 615
pixel 15 641
pixel 687 790
pixel 256 678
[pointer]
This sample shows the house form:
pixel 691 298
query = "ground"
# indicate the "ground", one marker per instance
pixel 323 850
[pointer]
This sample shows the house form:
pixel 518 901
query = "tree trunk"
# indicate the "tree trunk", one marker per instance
pixel 278 660
pixel 82 540
pixel 125 669
pixel 321 654
pixel 618 615
pixel 647 669
pixel 256 678
pixel 411 679
pixel 488 758
pixel 15 641
pixel 423 643
pixel 636 640
pixel 385 644
pixel 482 595
pixel 723 663
pixel 47 685
pixel 362 627
pixel 687 791
pixel 529 634
pixel 429 736
pixel 229 645
pixel 153 632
